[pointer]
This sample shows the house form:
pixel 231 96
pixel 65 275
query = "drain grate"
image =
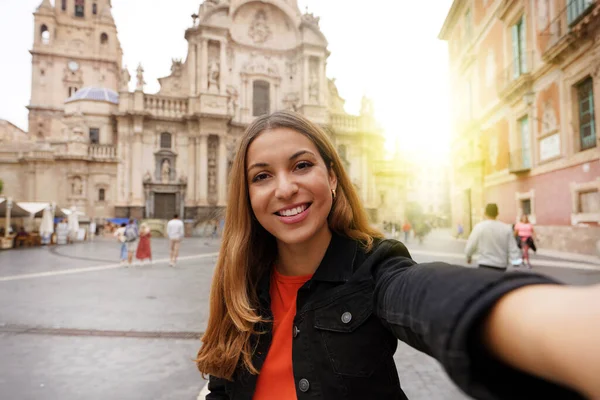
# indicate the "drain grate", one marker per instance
pixel 21 330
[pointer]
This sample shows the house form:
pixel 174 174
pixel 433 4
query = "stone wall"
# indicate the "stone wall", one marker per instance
pixel 572 239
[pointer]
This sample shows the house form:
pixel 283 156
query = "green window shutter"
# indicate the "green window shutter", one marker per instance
pixel 523 45
pixel 515 50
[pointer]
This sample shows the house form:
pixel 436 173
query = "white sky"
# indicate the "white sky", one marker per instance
pixel 387 49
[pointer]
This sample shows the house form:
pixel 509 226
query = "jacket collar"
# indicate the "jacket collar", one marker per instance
pixel 336 266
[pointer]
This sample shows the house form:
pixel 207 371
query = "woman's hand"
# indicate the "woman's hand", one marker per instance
pixel 550 331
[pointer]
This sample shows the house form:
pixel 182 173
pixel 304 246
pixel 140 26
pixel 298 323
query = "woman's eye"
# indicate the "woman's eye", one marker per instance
pixel 303 165
pixel 260 177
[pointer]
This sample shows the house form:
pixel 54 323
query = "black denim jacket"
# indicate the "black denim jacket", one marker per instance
pixel 357 305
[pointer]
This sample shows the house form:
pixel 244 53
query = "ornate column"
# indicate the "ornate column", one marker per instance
pixel 222 172
pixel 305 79
pixel 192 68
pixel 191 196
pixel 204 67
pixel 223 70
pixel 202 159
pixel 322 81
pixel 136 171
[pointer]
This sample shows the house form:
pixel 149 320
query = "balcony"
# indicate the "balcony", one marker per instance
pixel 519 161
pixel 102 152
pixel 344 123
pixel 516 78
pixel 567 27
pixel 165 107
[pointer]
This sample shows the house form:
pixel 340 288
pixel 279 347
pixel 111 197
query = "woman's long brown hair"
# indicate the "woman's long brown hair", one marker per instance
pixel 248 250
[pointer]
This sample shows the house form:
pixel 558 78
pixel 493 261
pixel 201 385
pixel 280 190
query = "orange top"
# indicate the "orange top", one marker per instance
pixel 276 379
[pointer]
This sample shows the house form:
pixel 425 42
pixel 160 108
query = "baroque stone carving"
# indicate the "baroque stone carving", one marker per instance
pixel 549 122
pixel 165 171
pixel 140 78
pixel 147 177
pixel 232 100
pixel 261 64
pixel 291 101
pixel 214 71
pixel 231 146
pixel 125 78
pixel 313 88
pixel 176 67
pixel 259 30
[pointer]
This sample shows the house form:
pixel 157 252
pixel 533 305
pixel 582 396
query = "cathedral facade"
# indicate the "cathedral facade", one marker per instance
pixel 112 152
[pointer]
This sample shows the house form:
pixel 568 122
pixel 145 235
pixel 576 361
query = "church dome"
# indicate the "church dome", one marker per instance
pixel 95 94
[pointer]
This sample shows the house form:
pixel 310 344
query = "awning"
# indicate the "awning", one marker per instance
pixel 118 221
pixel 16 210
pixel 37 208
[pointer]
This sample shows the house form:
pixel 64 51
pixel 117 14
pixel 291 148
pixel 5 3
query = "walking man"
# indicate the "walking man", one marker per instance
pixel 131 239
pixel 175 232
pixel 495 242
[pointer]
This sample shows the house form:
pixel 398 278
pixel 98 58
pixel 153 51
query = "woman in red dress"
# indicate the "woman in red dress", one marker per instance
pixel 144 250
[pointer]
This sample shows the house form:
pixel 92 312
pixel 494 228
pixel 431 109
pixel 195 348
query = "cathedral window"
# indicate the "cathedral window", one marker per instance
pixel 63 5
pixel 45 34
pixel 79 8
pixel 261 99
pixel 103 38
pixel 94 135
pixel 165 140
pixel 94 8
pixel 72 90
pixel 101 194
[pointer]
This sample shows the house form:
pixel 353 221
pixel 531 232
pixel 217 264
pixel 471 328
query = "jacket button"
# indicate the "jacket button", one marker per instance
pixel 303 385
pixel 346 317
pixel 295 331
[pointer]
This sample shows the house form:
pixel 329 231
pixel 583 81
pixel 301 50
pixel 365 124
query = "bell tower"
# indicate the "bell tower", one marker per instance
pixel 75 45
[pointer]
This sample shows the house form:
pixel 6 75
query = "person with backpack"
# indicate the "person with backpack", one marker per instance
pixel 131 239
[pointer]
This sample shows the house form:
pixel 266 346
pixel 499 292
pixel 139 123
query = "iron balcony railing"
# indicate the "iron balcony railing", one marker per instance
pixel 517 70
pixel 559 28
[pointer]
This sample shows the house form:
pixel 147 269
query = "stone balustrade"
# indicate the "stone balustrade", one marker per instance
pixel 344 123
pixel 163 106
pixel 102 151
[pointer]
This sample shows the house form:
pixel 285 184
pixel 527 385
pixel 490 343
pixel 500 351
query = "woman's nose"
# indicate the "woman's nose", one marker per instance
pixel 286 187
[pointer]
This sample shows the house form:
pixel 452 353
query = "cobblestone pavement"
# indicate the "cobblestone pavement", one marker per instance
pixel 74 325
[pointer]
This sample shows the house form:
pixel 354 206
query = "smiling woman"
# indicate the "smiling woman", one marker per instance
pixel 308 300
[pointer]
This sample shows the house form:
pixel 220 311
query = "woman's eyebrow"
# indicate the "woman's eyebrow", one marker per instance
pixel 293 157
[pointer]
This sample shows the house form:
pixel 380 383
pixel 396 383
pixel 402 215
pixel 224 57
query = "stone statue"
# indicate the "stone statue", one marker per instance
pixel 147 177
pixel 232 100
pixel 125 78
pixel 140 78
pixel 77 187
pixel 213 76
pixel 165 171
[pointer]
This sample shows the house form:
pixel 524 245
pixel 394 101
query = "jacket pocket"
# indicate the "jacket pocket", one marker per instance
pixel 355 339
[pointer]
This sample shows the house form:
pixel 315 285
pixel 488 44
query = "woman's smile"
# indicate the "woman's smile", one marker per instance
pixel 294 214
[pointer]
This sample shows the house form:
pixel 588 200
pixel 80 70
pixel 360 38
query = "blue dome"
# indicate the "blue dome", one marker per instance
pixel 96 94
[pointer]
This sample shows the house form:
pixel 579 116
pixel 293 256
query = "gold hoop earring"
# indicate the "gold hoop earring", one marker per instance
pixel 333 193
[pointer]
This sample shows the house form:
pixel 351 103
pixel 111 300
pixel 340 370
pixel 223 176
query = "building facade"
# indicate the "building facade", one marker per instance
pixel 95 144
pixel 526 79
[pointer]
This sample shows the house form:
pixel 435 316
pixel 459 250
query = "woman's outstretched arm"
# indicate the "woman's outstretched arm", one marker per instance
pixel 550 331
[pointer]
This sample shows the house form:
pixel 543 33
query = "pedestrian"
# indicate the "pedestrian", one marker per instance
pixel 131 239
pixel 144 249
pixel 494 241
pixel 525 236
pixel 175 232
pixel 92 230
pixel 459 231
pixel 119 233
pixel 308 300
pixel 406 228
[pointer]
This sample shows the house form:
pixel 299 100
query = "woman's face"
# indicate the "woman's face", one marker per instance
pixel 524 219
pixel 289 185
